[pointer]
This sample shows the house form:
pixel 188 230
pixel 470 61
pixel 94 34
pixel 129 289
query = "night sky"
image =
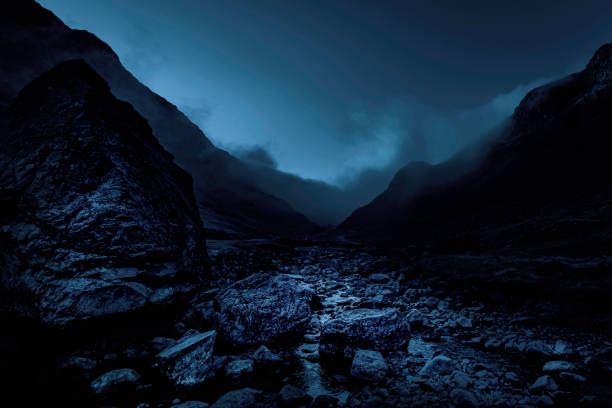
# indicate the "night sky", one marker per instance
pixel 328 89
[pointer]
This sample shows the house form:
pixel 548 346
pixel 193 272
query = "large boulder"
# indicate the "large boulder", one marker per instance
pixel 262 309
pixel 189 362
pixel 96 218
pixel 370 329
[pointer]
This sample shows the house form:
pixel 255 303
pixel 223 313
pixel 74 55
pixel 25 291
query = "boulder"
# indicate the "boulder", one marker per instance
pixel 292 396
pixel 263 309
pixel 242 398
pixel 98 219
pixel 189 362
pixel 368 329
pixel 369 365
pixel 119 380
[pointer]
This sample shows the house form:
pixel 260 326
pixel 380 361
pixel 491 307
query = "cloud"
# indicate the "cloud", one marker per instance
pixel 385 137
pixel 255 155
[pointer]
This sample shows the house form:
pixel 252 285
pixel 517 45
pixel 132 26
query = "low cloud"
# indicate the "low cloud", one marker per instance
pixel 255 155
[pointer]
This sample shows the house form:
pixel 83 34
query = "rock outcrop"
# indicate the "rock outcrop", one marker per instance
pixel 96 218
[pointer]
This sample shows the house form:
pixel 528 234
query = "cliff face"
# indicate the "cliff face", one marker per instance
pixel 230 196
pixel 544 180
pixel 96 218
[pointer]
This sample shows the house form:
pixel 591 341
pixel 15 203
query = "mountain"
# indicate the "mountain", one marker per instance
pixel 542 185
pixel 33 40
pixel 96 218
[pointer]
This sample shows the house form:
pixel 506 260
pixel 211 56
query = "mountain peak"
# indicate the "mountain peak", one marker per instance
pixel 599 68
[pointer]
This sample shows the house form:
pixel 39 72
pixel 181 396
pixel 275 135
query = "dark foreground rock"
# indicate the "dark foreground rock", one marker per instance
pixel 96 219
pixel 190 361
pixel 263 309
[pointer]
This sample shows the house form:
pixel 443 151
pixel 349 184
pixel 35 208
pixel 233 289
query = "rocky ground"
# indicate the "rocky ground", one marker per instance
pixel 326 326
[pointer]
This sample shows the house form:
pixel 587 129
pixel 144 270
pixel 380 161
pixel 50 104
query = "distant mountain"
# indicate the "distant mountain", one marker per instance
pixel 33 40
pixel 543 184
pixel 96 218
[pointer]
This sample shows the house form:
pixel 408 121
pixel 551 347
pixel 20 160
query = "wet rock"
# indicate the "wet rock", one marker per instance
pixel 379 278
pixel 463 398
pixel 239 369
pixel 78 363
pixel 262 309
pixel 325 401
pixel 369 329
pixel 461 380
pixel 189 362
pixel 119 380
pixel 561 348
pixel 538 349
pixel 369 365
pixel 571 378
pixel 557 366
pixel 464 322
pixel 292 396
pixel 264 356
pixel 242 398
pixel 544 383
pixel 191 404
pixel 439 365
pixel 415 317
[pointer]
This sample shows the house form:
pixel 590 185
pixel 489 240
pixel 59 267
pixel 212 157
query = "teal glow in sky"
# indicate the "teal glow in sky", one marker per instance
pixel 330 88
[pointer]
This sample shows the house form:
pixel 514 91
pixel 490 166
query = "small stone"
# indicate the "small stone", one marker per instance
pixel 558 366
pixel 325 401
pixel 464 322
pixel 369 365
pixel 463 398
pixel 116 380
pixel 439 365
pixel 242 398
pixel 379 278
pixel 544 383
pixel 561 348
pixel 264 356
pixel 80 363
pixel 292 396
pixel 461 380
pixel 512 377
pixel 545 401
pixel 571 378
pixel 238 369
pixel 191 404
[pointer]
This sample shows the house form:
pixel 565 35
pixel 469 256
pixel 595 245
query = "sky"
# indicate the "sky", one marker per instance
pixel 330 90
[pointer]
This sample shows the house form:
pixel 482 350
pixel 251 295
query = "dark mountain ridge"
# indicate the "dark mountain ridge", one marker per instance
pixel 548 171
pixel 33 40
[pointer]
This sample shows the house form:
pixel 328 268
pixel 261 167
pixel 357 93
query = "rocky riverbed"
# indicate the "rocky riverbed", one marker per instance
pixel 340 326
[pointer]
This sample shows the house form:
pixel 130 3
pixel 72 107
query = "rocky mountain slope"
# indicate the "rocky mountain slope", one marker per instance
pixel 33 40
pixel 543 185
pixel 96 218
